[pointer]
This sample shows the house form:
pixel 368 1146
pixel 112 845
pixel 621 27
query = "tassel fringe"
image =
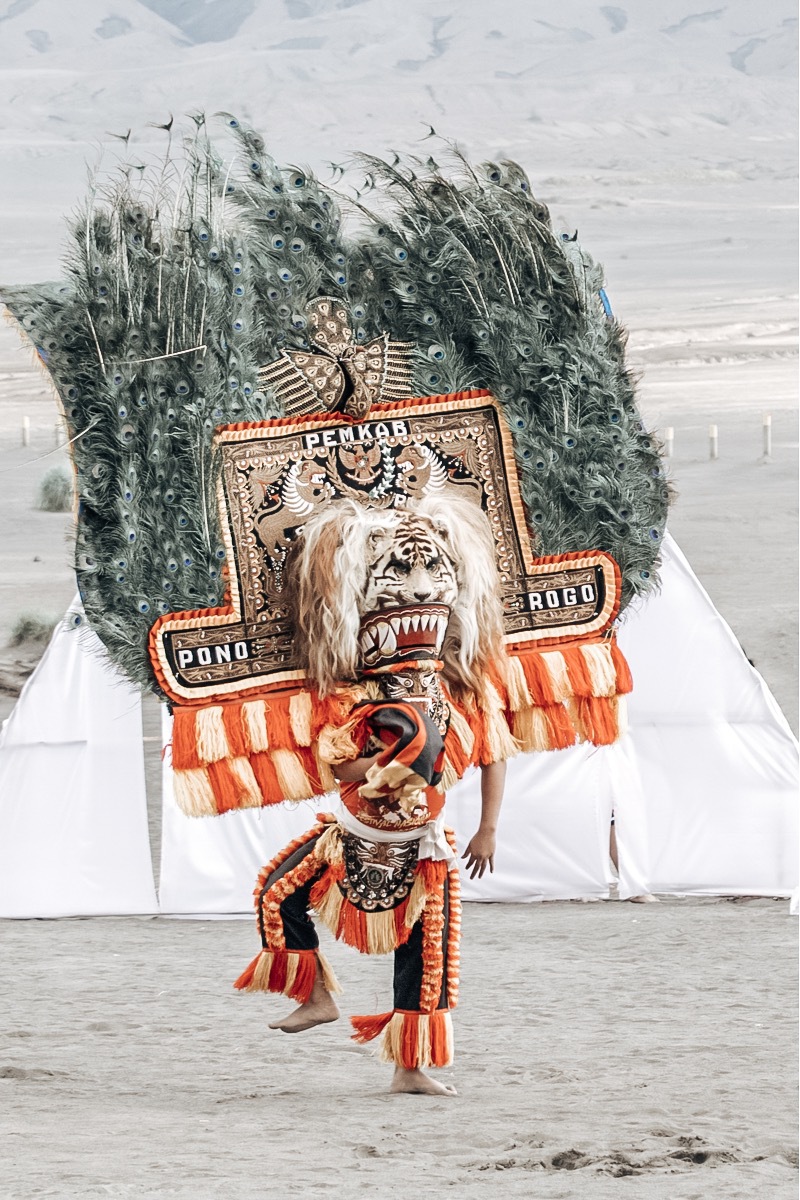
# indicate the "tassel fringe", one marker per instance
pixel 411 1039
pixel 261 752
pixel 288 972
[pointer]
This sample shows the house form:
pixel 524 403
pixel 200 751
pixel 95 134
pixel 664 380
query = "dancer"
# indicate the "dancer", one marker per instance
pixel 361 501
pixel 400 595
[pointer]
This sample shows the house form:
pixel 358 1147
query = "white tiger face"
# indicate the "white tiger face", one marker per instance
pixel 409 564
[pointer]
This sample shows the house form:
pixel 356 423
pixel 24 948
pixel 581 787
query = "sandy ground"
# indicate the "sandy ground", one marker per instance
pixel 603 1050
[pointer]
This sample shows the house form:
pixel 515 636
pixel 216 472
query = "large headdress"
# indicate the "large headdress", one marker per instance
pixel 237 300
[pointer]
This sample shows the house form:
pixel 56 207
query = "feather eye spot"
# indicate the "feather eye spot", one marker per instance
pixel 285 275
pixel 169 496
pixel 255 167
pixel 203 235
pixel 482 334
pixel 234 124
pixel 127 434
pixel 538 517
pixel 187 561
pixel 341 279
pixel 143 606
pixel 437 353
pixel 615 417
pixel 182 388
pixel 433 277
pixel 213 254
pixel 238 325
pixel 230 188
pixel 298 321
pixel 644 574
pixel 127 495
pixel 247 388
pixel 297 180
pixel 359 312
pixel 527 453
pixel 238 290
pixel 167 586
pixel 432 380
pixel 519 423
pixel 273 294
pixel 655 535
pixel 388 303
pixel 297 245
pixel 131 536
pixel 233 384
pixel 540 464
pixel 172 565
pixel 278 242
pixel 183 520
pixel 219 553
pixel 271 214
pixel 569 441
pixel 400 254
pixel 120 577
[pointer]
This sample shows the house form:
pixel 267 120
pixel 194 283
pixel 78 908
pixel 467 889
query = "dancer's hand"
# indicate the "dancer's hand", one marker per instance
pixel 480 853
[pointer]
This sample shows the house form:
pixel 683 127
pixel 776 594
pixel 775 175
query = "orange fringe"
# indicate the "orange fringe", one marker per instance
pixel 433 875
pixel 229 792
pixel 415 1039
pixel 266 777
pixel 235 730
pixel 274 896
pixel 368 1028
pixel 184 740
pixel 453 926
pixel 287 972
pixel 279 724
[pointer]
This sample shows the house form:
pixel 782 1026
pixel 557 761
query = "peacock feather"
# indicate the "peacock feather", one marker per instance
pixel 184 279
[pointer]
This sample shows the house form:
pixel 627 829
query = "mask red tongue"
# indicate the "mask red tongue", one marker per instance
pixel 402 634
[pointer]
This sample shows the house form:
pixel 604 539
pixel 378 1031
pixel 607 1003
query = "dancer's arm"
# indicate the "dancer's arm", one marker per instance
pixel 480 852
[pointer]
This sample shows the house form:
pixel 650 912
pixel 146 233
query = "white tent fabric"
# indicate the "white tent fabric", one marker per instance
pixel 73 813
pixel 703 788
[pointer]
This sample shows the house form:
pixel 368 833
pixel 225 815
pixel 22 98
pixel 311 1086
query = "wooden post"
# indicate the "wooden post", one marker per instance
pixel 766 427
pixel 713 442
pixel 26 431
pixel 669 441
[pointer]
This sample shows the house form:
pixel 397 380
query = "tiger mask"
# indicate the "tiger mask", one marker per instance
pixel 351 560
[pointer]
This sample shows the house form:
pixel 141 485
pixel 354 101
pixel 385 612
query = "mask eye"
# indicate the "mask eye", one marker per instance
pixel 434 565
pixel 399 567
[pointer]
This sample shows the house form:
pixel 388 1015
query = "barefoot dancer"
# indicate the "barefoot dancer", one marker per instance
pixel 382 874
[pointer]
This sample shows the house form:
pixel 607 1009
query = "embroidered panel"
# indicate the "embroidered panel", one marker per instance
pixel 277 474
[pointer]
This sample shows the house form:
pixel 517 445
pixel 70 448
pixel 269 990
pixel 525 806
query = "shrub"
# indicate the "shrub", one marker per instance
pixel 31 627
pixel 55 490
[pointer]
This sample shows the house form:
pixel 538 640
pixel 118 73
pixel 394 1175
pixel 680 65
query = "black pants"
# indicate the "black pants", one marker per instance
pixel 300 934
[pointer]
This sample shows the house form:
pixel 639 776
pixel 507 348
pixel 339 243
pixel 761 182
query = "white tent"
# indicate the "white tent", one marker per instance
pixel 703 790
pixel 73 817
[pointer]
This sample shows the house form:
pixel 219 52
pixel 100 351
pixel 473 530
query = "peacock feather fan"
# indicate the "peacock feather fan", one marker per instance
pixel 183 279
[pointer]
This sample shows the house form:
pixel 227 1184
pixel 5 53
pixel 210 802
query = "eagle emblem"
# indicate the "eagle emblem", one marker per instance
pixel 338 374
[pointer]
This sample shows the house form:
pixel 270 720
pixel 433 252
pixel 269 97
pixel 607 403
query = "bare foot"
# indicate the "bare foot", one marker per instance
pixel 419 1083
pixel 319 1009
